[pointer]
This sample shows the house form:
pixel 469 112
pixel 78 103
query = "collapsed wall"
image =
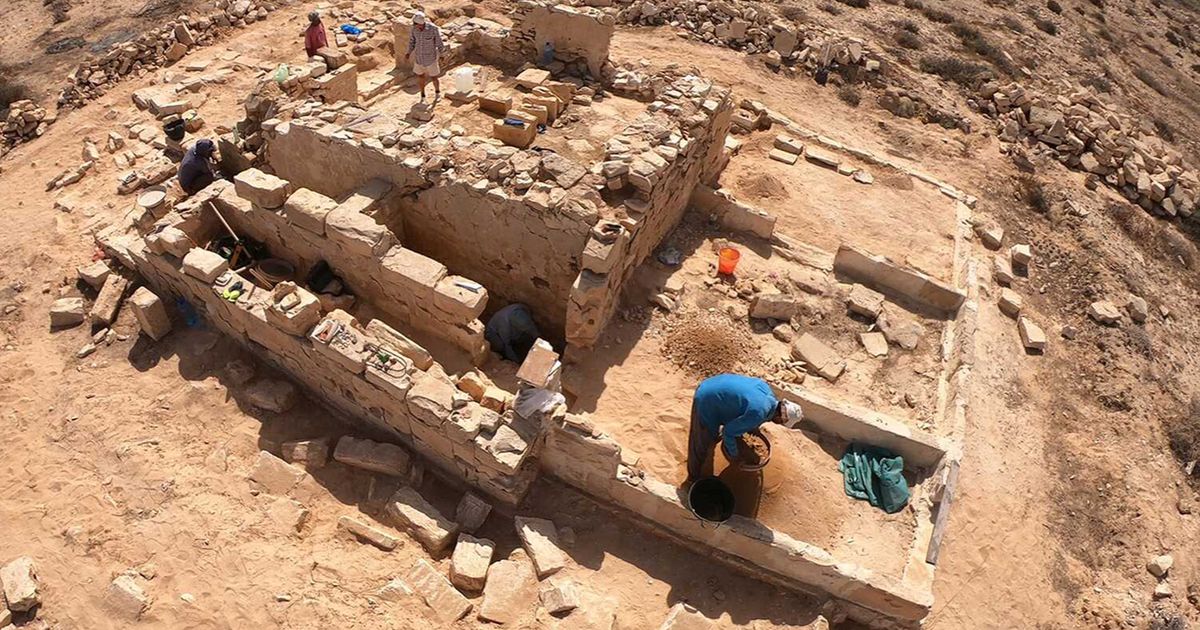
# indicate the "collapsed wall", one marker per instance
pixel 652 167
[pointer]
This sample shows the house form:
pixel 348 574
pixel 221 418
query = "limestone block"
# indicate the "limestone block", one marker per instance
pixel 94 274
pixel 170 240
pixel 881 273
pixel 126 599
pixel 261 189
pixel 307 209
pixel 559 597
pixel 472 511
pixel 789 144
pixel 311 454
pixel 357 233
pixel 779 306
pixel 1021 255
pixel 474 384
pixel 423 521
pixel 470 561
pixel 20 581
pixel 495 103
pixel 684 617
pixel 600 256
pixel 368 199
pixel 532 78
pixel 874 343
pixel 1010 302
pixel 463 424
pixel 822 158
pixel 819 358
pixel 394 378
pixel 511 590
pixel 380 457
pixel 396 591
pixel 539 537
pixel 1032 335
pixel 151 313
pixel 67 312
pixel 460 298
pixel 864 301
pixel 368 533
pixel 541 367
pixel 411 272
pixel 272 395
pixel 431 398
pixel 391 338
pixel 437 592
pixel 292 309
pixel 340 338
pixel 333 57
pixel 520 136
pixel 204 265
pixel 779 155
pixel 108 302
pixel 1002 271
pixel 275 475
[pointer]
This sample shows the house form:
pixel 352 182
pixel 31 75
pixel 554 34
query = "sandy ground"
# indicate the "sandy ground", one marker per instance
pixel 135 457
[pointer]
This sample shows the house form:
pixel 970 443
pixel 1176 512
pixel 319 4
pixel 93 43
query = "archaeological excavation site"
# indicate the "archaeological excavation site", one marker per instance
pixel 419 356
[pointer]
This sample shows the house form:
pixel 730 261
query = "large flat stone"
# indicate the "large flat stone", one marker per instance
pixel 511 590
pixel 470 561
pixel 423 521
pixel 379 457
pixel 357 233
pixel 204 265
pixel 437 592
pixel 308 210
pixel 540 539
pixel 261 189
pixel 819 358
pixel 431 399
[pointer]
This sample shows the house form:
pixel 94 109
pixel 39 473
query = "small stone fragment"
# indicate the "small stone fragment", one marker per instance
pixel 559 597
pixel 436 591
pixel 368 533
pixel 1010 302
pixel 1105 313
pixel 472 511
pixel 66 312
pixel 20 581
pixel 275 475
pixel 1160 565
pixel 1138 309
pixel 126 598
pixel 874 343
pixel 423 521
pixel 1032 336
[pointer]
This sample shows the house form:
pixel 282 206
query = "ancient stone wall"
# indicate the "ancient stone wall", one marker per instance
pixel 420 408
pixel 578 454
pixel 656 163
pixel 521 250
pixel 580 35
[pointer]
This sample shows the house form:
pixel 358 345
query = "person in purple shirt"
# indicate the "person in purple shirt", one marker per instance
pixel 725 407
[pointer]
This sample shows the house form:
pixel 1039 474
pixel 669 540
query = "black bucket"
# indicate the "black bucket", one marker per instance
pixel 711 500
pixel 175 129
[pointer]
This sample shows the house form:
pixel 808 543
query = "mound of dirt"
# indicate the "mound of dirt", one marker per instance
pixel 763 186
pixel 707 344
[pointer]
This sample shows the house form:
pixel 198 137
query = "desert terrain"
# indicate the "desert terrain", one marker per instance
pixel 132 459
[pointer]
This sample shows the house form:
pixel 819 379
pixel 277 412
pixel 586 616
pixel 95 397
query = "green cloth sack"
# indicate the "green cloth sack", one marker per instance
pixel 875 475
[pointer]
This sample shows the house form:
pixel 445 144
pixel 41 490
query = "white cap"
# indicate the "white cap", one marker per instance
pixel 419 17
pixel 790 414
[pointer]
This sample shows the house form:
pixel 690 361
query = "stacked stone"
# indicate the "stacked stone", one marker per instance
pixel 156 48
pixel 522 40
pixel 1082 132
pixel 754 29
pixel 654 165
pixel 26 120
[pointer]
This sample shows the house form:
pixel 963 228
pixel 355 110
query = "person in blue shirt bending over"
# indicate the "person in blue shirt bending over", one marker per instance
pixel 725 407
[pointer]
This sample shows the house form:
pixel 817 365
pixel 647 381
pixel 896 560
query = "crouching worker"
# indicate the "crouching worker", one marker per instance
pixel 725 407
pixel 196 169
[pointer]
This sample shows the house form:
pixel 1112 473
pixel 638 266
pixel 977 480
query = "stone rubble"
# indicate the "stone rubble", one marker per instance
pixel 1083 132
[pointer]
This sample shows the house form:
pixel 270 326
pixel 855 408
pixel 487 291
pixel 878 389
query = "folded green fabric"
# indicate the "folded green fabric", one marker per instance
pixel 875 475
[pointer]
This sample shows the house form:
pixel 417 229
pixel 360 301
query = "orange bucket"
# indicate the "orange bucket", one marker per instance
pixel 727 260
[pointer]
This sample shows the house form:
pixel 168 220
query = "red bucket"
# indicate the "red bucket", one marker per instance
pixel 727 260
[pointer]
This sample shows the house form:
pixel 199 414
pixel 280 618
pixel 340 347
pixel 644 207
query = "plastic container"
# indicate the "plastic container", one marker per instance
pixel 711 501
pixel 727 260
pixel 464 79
